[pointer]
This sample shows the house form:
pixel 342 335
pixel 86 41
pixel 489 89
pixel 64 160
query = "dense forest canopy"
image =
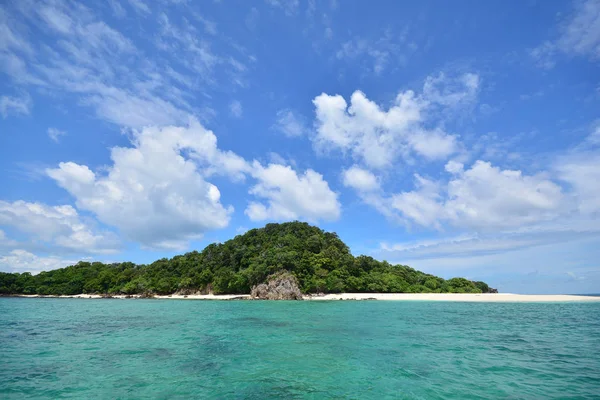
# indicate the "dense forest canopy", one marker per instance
pixel 320 261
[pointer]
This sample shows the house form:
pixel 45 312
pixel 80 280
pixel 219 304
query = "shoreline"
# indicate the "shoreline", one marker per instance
pixel 452 297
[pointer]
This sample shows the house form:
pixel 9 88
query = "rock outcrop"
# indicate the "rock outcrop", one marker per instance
pixel 282 285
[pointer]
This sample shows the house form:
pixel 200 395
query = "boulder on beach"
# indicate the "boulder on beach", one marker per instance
pixel 282 285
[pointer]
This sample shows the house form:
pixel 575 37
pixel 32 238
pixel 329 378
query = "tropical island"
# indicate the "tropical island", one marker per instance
pixel 295 254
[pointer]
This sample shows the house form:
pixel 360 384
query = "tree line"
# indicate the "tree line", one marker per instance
pixel 320 261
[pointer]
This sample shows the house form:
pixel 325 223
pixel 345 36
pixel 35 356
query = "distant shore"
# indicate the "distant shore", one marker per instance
pixel 460 297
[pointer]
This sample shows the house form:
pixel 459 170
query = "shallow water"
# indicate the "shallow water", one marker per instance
pixel 80 348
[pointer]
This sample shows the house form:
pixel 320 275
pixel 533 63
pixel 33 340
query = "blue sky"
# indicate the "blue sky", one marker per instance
pixel 462 140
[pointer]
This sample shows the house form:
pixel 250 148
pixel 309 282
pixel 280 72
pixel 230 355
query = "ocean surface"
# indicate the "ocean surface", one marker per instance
pixel 170 349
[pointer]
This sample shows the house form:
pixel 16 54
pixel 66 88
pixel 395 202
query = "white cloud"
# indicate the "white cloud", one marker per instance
pixel 581 171
pixel 55 134
pixel 370 134
pixel 210 27
pixel 86 60
pixel 291 196
pixel 594 137
pixel 117 8
pixel 82 55
pixel 500 219
pixel 353 49
pixel 360 179
pixel 155 192
pixel 375 55
pixel 251 19
pixel 452 93
pixel 466 245
pixel 411 125
pixel 56 18
pixel 454 167
pixel 60 226
pixel 434 144
pixel 579 36
pixel 289 7
pixel 23 261
pixel 196 53
pixel 15 105
pixel 486 196
pixel 235 109
pixel 289 123
pixel 483 197
pixel 127 109
pixel 544 55
pixel 140 7
pixel 513 264
pixel 5 242
pixel 581 33
pixel 422 205
pixel 10 39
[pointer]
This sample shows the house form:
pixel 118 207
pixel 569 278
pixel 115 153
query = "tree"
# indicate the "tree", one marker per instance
pixel 319 260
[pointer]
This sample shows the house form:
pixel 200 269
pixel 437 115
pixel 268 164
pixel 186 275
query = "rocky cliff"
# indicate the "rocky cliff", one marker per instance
pixel 279 286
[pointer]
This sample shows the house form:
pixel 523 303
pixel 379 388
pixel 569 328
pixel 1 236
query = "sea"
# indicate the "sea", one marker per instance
pixel 190 349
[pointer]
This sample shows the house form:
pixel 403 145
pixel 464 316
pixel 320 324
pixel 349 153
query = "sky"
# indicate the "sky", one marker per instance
pixel 461 139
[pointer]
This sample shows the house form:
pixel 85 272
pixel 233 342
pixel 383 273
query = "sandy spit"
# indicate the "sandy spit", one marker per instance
pixel 466 297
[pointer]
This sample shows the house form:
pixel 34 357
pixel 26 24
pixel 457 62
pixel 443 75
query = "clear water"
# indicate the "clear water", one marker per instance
pixel 110 349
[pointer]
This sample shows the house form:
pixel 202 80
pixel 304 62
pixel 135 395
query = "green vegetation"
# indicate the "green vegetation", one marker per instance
pixel 320 261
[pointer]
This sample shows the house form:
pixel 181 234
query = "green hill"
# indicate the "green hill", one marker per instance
pixel 320 261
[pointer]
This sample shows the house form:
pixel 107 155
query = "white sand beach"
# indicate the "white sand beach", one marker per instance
pixel 205 296
pixel 466 297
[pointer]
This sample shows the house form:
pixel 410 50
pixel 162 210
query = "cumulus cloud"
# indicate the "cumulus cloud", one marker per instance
pixel 156 191
pixel 60 226
pixel 378 137
pixel 487 196
pixel 581 172
pixel 360 179
pixel 422 205
pixel 19 260
pixel 288 123
pixel 288 195
pixel 482 197
pixel 485 217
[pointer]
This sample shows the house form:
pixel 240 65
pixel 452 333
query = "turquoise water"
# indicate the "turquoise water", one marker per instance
pixel 109 349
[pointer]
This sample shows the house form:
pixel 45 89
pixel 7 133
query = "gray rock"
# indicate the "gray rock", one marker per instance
pixel 282 285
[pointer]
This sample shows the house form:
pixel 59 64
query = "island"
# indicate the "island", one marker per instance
pixel 291 260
